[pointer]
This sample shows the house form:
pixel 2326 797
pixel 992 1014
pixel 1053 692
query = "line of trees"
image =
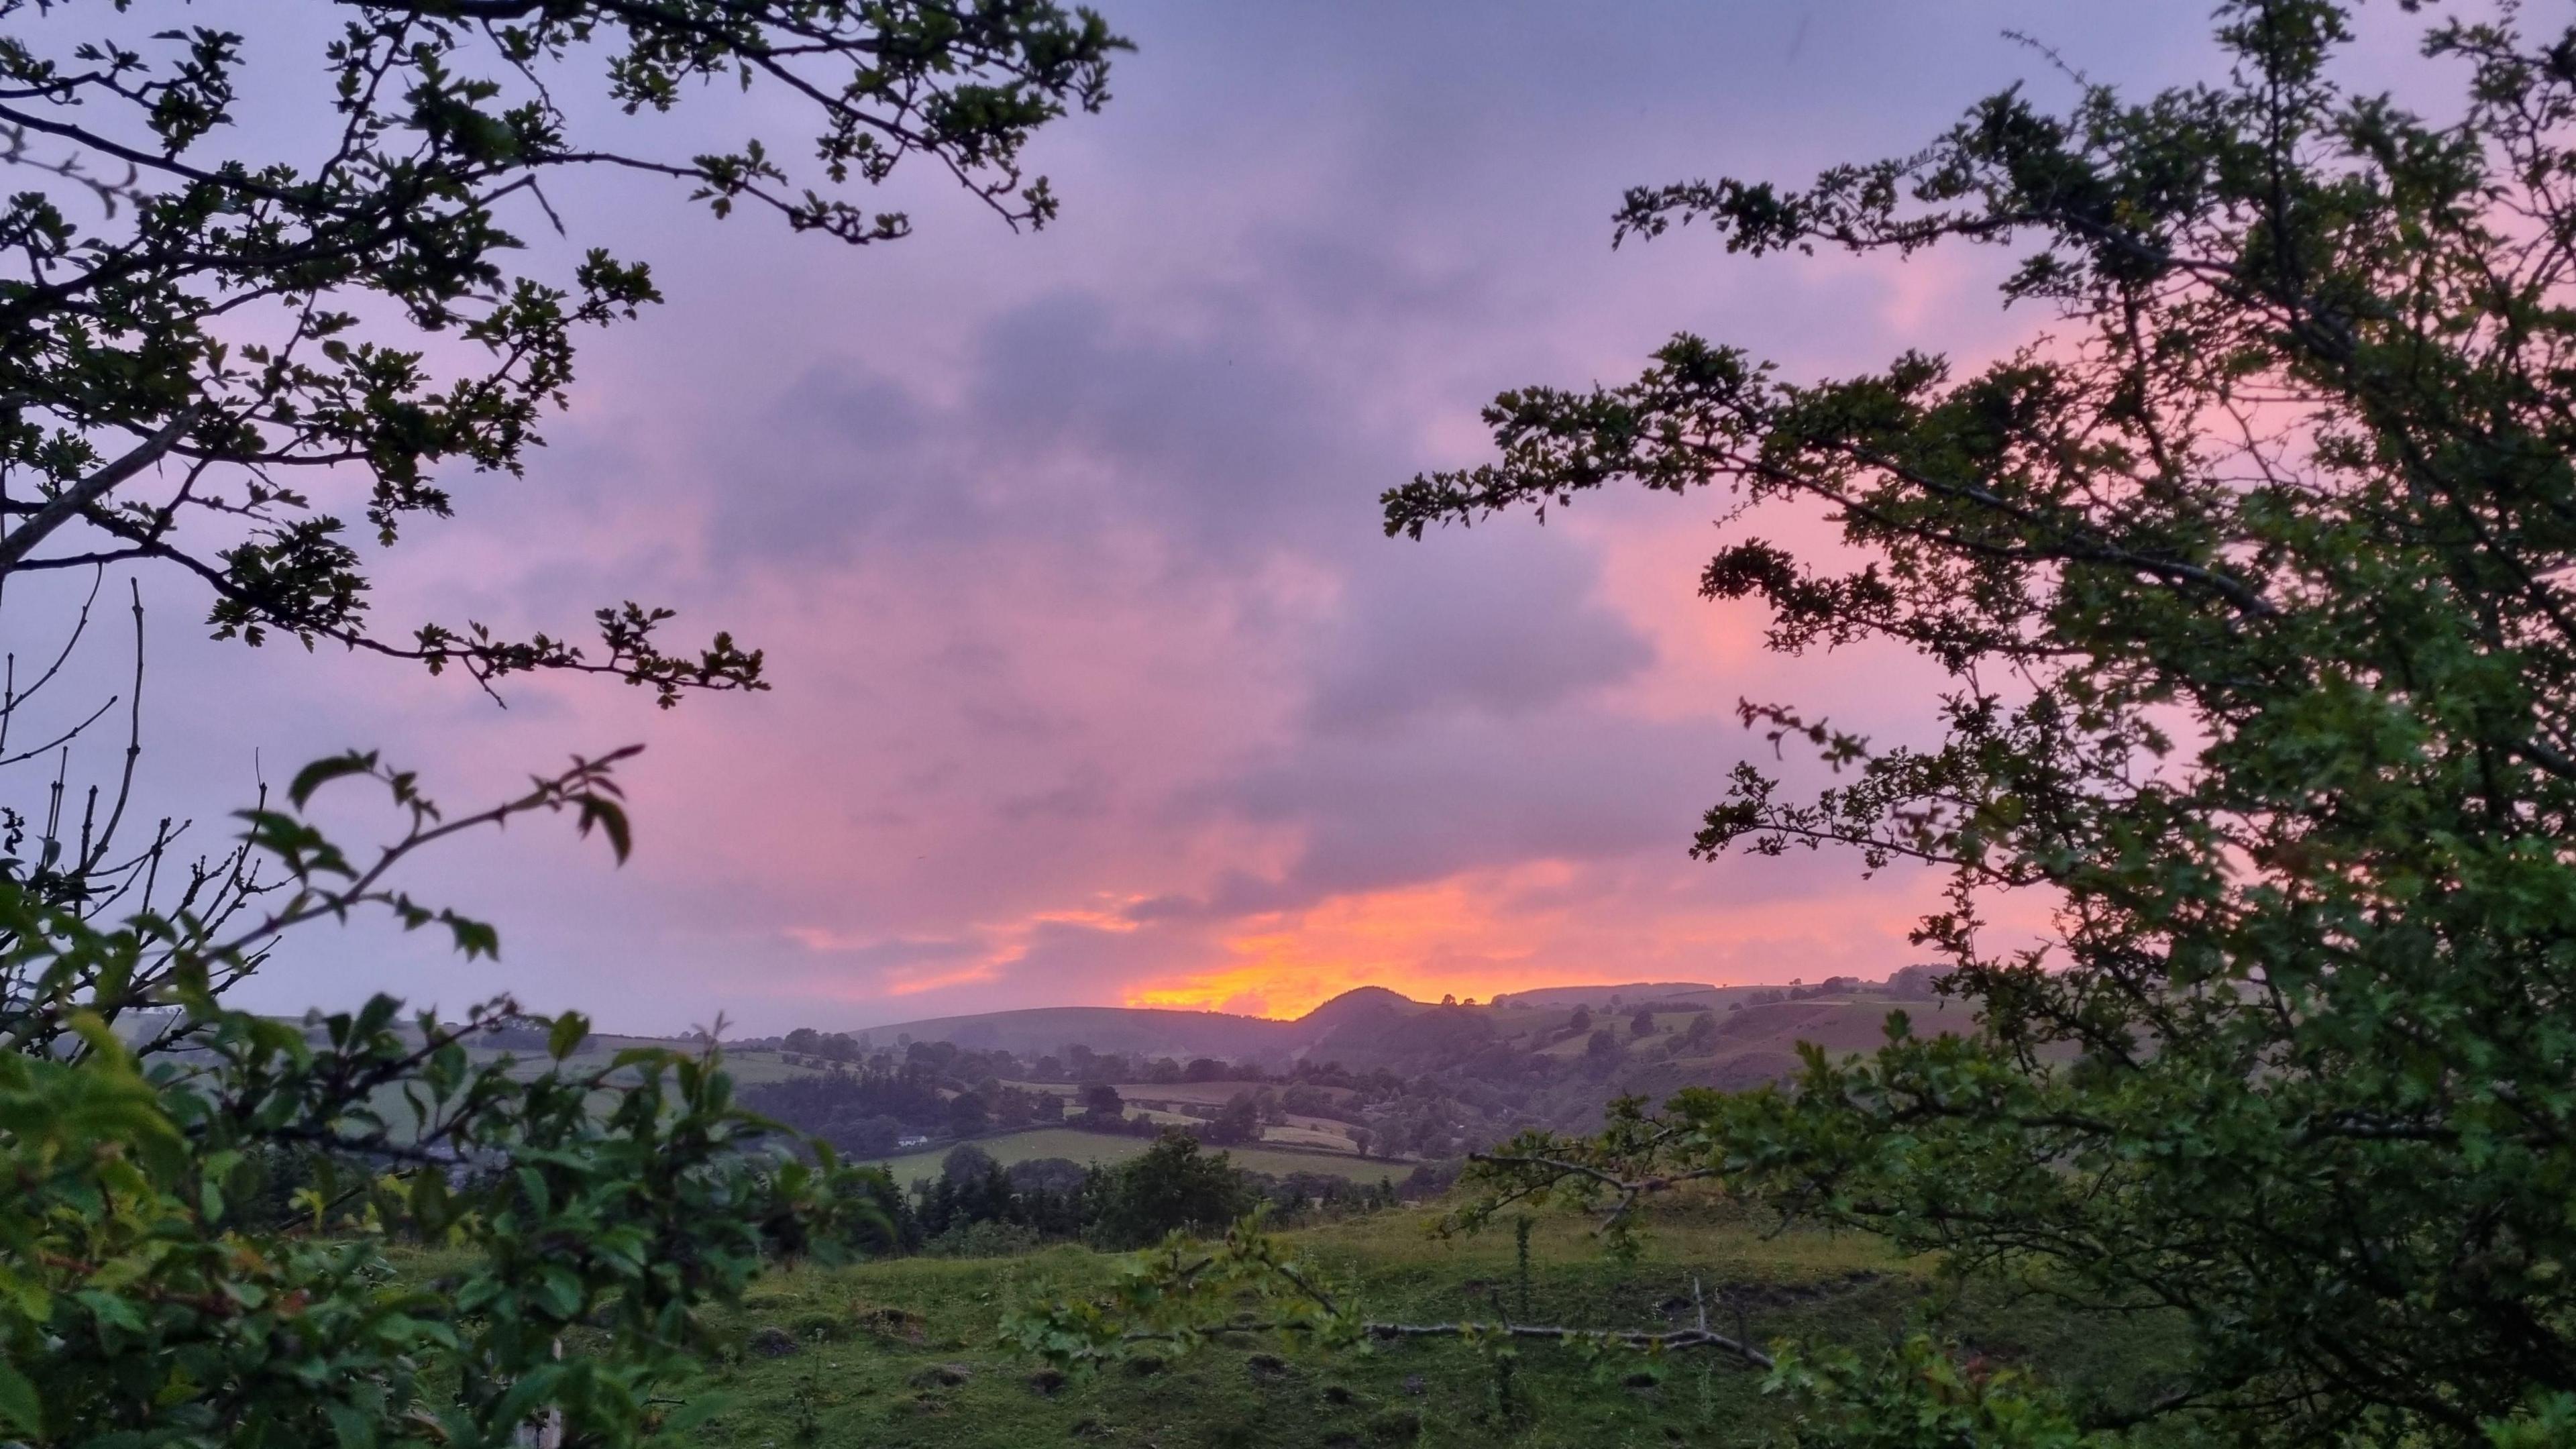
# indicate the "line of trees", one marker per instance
pixel 975 1205
pixel 877 1109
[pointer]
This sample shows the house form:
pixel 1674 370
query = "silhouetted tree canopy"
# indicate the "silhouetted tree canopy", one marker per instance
pixel 257 357
pixel 2252 584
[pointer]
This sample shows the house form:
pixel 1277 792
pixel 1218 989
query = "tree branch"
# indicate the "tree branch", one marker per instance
pixel 59 510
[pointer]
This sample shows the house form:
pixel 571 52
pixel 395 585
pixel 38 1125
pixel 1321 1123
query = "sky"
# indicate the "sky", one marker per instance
pixel 1096 680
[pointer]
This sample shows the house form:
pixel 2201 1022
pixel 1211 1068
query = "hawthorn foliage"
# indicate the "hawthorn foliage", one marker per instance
pixel 253 352
pixel 249 354
pixel 193 1246
pixel 2252 582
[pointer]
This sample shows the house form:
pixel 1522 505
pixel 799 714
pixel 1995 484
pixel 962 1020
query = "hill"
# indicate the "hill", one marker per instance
pixel 1564 997
pixel 1360 1005
pixel 1370 1071
pixel 1143 1031
pixel 1380 1037
pixel 1375 1030
pixel 1757 1045
pixel 1362 1028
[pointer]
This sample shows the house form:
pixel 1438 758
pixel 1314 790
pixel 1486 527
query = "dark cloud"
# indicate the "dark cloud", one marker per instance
pixel 1501 622
pixel 894 952
pixel 1075 421
pixel 1225 441
pixel 842 457
pixel 1237 893
pixel 1380 813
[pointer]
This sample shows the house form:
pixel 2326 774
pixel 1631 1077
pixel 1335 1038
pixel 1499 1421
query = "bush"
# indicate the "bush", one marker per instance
pixel 1060 1175
pixel 1174 1187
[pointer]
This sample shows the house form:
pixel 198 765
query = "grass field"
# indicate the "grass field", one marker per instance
pixel 1206 1094
pixel 1103 1148
pixel 1321 1133
pixel 753 1067
pixel 901 1354
pixel 1307 1132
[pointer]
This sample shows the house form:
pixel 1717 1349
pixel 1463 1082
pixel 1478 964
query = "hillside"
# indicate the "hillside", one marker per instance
pixel 1357 1007
pixel 1371 1027
pixel 1383 1037
pixel 1370 1073
pixel 903 1352
pixel 1757 1045
pixel 1145 1031
pixel 1567 997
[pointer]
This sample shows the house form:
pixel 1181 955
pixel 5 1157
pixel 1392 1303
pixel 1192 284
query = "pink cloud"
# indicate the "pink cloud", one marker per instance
pixel 1095 680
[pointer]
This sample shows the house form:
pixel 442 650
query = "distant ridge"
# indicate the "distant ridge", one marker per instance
pixel 1632 993
pixel 1388 1076
pixel 1364 1027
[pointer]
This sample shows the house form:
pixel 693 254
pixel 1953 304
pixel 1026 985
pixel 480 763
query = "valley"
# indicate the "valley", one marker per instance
pixel 1370 1084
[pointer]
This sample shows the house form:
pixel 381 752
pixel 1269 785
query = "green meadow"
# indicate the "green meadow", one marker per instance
pixel 904 1352
pixel 1107 1149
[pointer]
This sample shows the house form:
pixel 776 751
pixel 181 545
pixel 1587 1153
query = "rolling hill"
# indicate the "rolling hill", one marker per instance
pixel 1564 998
pixel 1372 1029
pixel 1138 1031
pixel 1369 1072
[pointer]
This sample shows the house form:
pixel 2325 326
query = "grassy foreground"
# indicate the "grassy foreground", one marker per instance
pixel 902 1353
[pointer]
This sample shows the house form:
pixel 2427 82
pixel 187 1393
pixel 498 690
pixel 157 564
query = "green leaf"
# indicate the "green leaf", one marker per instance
pixel 19 1407
pixel 610 817
pixel 473 938
pixel 323 771
pixel 566 1037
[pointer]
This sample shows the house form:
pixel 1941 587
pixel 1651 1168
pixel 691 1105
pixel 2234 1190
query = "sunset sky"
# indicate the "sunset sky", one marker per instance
pixel 1095 679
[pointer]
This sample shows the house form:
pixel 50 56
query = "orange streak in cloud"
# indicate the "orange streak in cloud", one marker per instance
pixel 1096 920
pixel 914 986
pixel 1541 924
pixel 1425 941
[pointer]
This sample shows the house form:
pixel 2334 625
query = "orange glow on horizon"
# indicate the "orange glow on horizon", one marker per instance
pixel 1525 927
pixel 1475 935
pixel 1467 936
pixel 1416 940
